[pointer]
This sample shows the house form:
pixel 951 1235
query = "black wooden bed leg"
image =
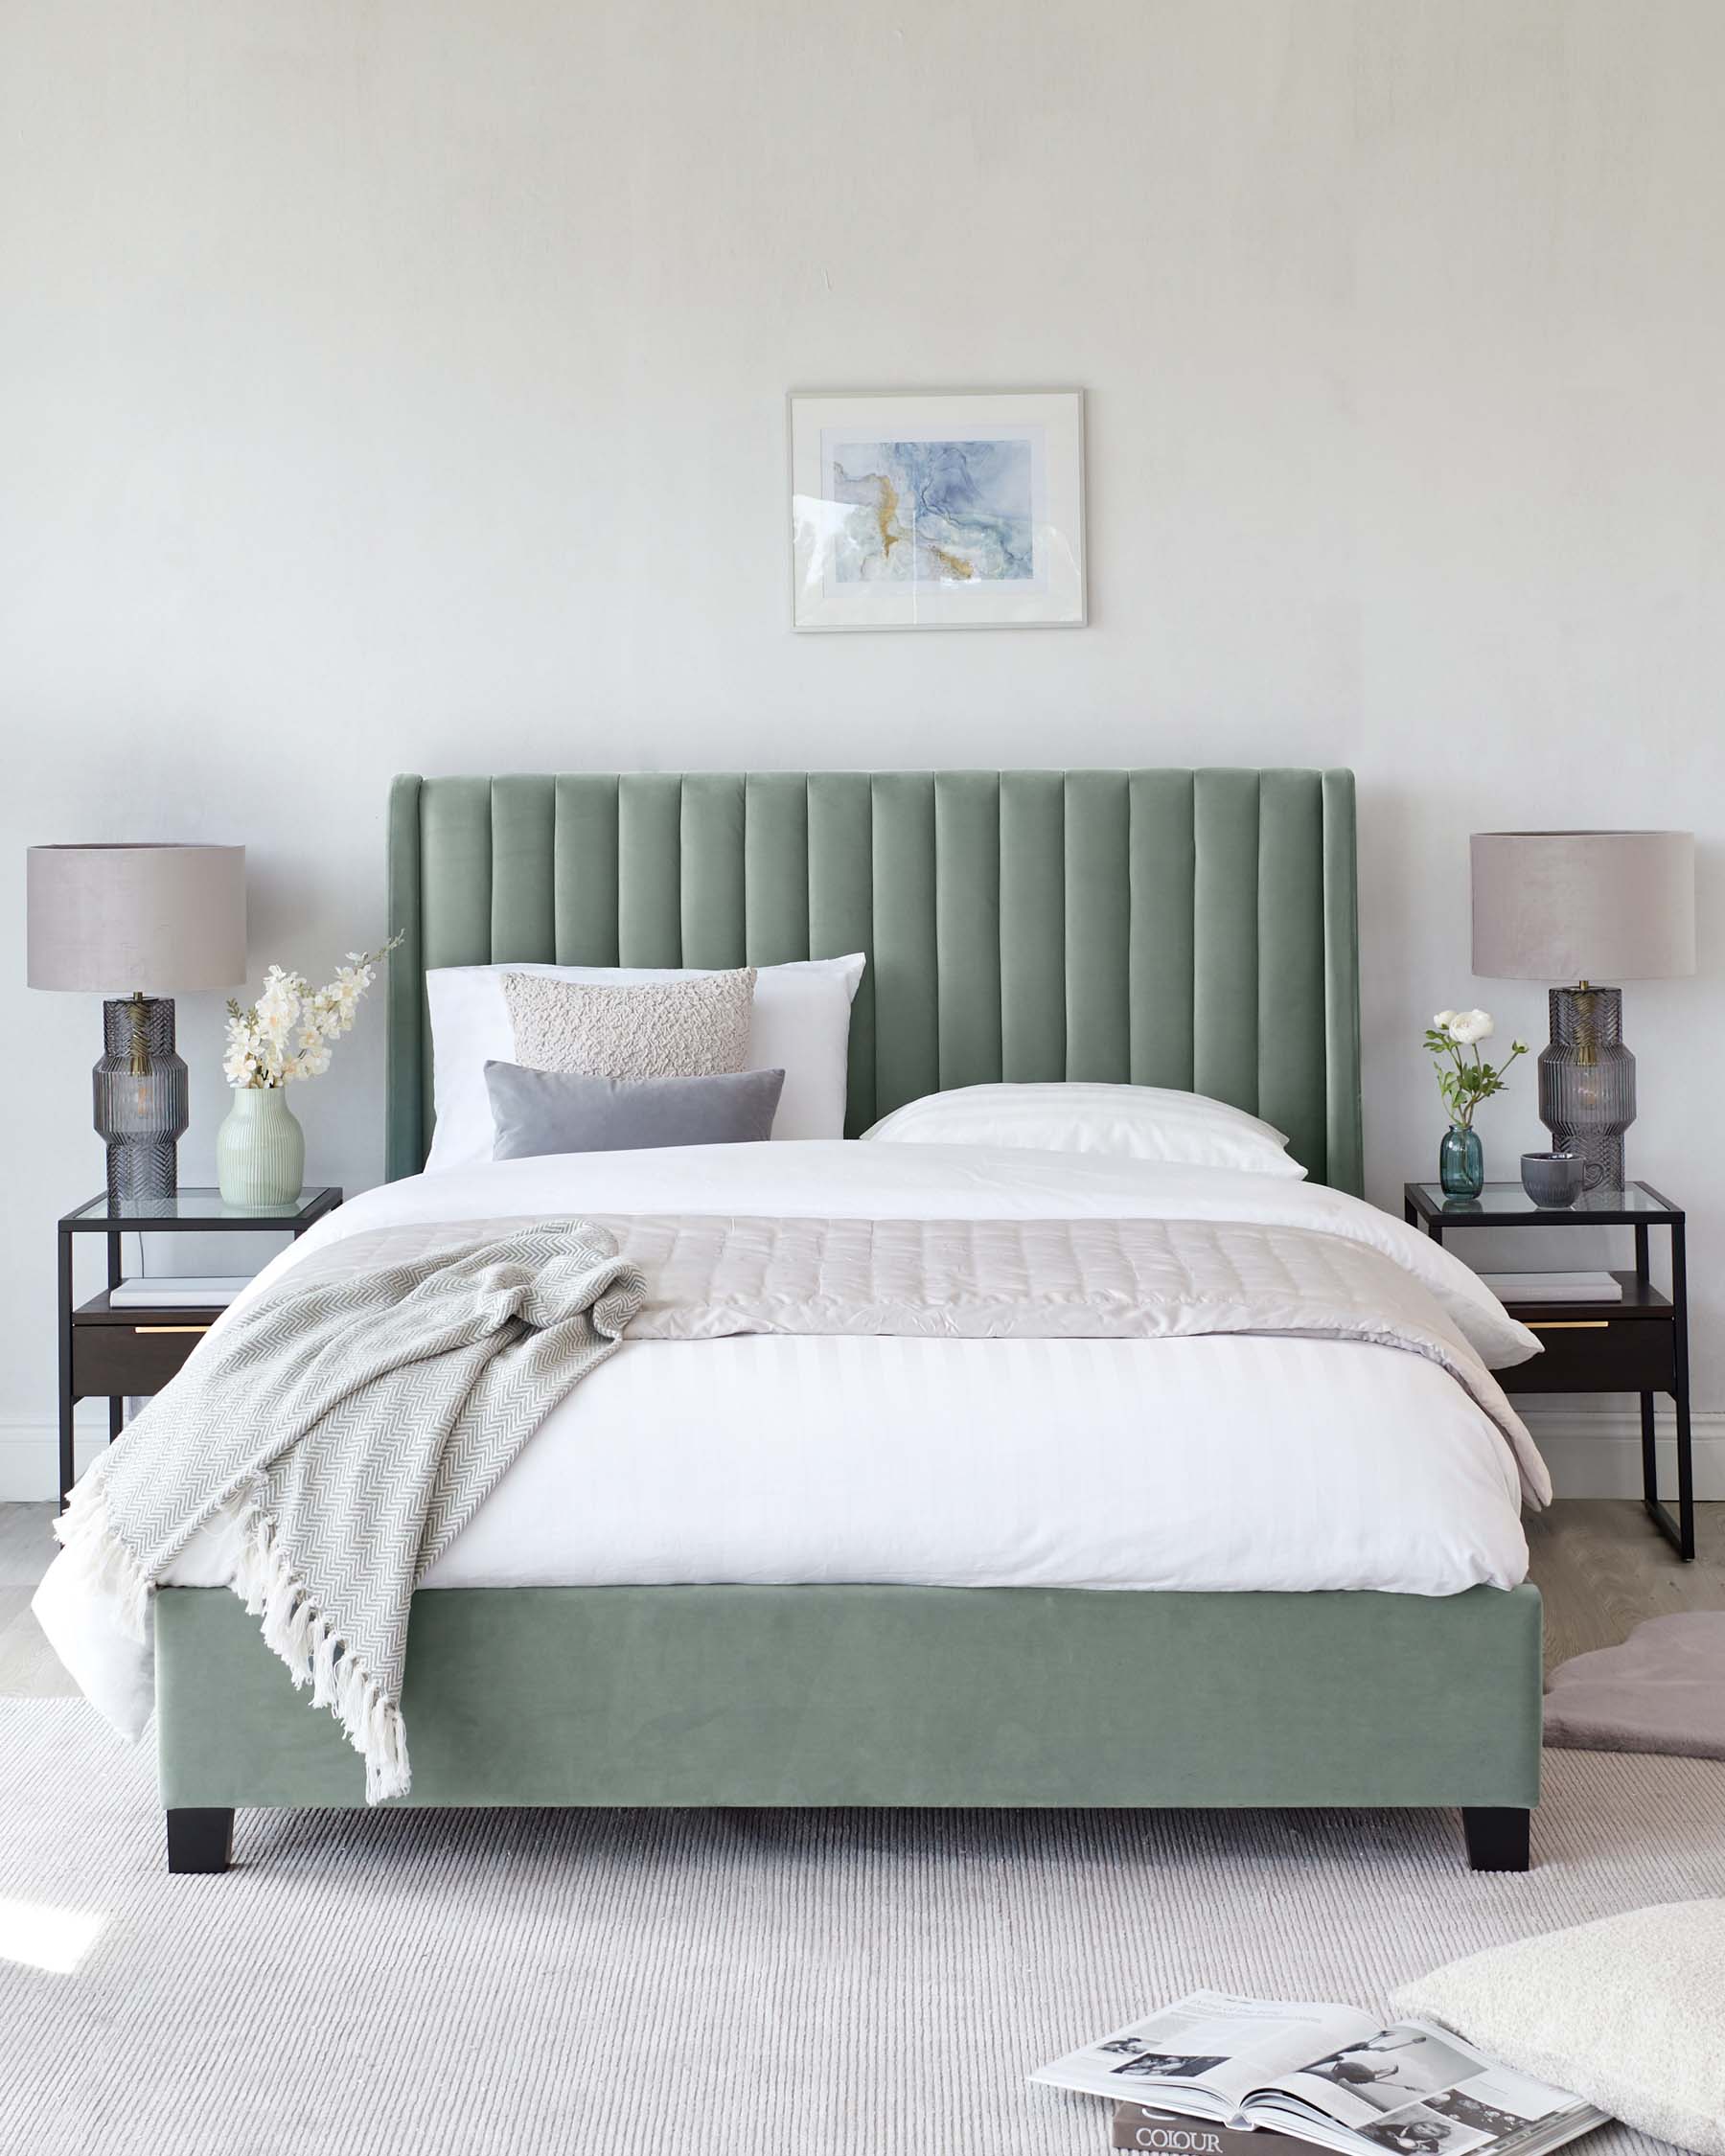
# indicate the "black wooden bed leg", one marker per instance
pixel 199 1840
pixel 1497 1837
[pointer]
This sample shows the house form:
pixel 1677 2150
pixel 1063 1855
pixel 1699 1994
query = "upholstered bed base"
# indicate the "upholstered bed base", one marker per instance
pixel 1186 928
pixel 884 1696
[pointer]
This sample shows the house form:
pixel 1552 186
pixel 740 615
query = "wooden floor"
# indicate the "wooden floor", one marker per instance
pixel 1600 1565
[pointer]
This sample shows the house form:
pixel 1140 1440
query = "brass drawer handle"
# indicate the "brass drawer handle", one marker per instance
pixel 1569 1324
pixel 171 1328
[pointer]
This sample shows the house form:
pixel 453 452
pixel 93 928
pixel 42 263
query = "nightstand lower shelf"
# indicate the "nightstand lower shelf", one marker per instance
pixel 1639 1345
pixel 1627 1346
pixel 131 1351
pixel 139 1348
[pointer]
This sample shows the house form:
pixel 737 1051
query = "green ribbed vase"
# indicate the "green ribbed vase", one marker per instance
pixel 259 1149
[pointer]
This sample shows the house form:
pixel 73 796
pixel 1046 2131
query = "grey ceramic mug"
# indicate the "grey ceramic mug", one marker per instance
pixel 1557 1179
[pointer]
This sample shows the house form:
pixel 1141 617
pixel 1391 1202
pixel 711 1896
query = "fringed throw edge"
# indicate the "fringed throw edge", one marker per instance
pixel 305 1638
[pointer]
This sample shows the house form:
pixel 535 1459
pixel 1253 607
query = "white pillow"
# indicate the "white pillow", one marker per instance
pixel 1142 1122
pixel 801 1026
pixel 1628 2012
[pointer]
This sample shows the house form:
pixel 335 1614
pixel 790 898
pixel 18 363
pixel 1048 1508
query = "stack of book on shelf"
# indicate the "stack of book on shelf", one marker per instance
pixel 1554 1287
pixel 179 1290
pixel 1218 2076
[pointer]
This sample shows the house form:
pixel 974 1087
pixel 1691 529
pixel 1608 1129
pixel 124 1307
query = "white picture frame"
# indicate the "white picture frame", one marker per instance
pixel 937 510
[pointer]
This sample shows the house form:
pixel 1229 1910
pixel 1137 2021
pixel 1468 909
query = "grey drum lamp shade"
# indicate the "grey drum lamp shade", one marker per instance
pixel 1570 906
pixel 161 919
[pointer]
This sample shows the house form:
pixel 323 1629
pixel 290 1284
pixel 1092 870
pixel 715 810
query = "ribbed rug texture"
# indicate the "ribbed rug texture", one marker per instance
pixel 729 1983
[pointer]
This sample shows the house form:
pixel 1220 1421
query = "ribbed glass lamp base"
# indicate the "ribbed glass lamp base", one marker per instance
pixel 139 1091
pixel 141 1168
pixel 1587 1079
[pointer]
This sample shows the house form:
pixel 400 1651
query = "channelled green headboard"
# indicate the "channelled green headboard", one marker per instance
pixel 1186 928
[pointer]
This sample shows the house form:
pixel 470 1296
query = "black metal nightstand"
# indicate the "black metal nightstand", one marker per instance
pixel 1638 1345
pixel 110 1353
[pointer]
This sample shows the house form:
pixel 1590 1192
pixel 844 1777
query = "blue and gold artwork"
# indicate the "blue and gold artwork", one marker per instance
pixel 933 511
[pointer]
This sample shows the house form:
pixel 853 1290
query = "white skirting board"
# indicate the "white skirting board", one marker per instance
pixel 1592 1452
pixel 29 1450
pixel 1595 1451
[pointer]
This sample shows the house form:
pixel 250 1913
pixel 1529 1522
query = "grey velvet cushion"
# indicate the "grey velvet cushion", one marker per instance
pixel 539 1112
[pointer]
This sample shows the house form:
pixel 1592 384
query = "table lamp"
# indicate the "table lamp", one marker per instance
pixel 1585 907
pixel 152 919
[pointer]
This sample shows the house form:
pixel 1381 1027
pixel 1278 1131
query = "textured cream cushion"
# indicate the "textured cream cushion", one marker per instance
pixel 696 1028
pixel 1629 2012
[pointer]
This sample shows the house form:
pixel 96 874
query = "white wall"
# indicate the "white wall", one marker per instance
pixel 400 386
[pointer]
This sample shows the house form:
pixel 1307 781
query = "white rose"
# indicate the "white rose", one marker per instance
pixel 1471 1026
pixel 1443 1019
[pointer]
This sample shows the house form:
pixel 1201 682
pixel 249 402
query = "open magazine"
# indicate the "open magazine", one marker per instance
pixel 1329 2074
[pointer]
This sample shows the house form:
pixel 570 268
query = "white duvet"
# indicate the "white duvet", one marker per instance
pixel 1216 1462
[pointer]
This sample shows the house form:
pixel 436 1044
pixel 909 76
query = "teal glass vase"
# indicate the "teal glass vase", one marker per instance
pixel 1461 1163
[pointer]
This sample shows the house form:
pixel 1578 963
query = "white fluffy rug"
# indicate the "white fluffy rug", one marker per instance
pixel 729 1983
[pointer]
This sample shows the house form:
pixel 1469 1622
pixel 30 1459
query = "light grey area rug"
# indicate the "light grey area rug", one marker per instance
pixel 1661 1690
pixel 732 1983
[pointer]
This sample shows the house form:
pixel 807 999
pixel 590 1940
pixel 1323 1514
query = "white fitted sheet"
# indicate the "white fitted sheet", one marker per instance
pixel 1220 1462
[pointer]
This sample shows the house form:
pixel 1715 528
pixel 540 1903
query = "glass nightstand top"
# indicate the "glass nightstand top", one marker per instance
pixel 203 1207
pixel 1508 1204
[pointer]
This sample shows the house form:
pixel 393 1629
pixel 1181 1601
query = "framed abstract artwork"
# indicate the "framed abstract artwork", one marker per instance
pixel 912 511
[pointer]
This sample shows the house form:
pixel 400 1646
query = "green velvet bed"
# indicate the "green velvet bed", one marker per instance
pixel 1193 929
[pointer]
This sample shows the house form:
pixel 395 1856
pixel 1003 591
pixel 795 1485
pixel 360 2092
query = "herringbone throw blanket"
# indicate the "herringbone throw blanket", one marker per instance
pixel 357 1424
